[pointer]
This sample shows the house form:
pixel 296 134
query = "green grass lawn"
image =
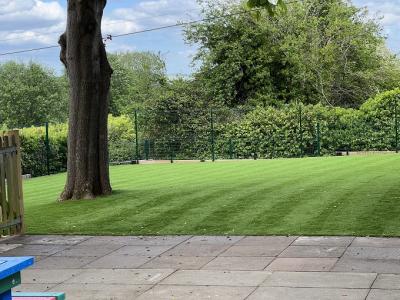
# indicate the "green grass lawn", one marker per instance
pixel 311 196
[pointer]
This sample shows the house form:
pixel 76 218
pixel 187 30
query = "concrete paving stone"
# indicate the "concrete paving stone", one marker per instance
pixel 321 280
pixel 112 261
pixel 34 250
pixel 217 278
pixel 93 251
pixel 253 250
pixel 313 251
pixel 376 242
pixel 384 295
pixel 367 265
pixel 197 250
pixel 338 241
pixel 302 264
pixel 20 239
pixel 48 276
pixel 274 241
pixel 387 281
pixel 283 293
pixel 179 292
pixel 121 276
pixel 63 262
pixel 238 263
pixel 137 240
pixel 33 287
pixel 372 253
pixel 214 240
pixel 56 240
pixel 49 239
pixel 7 247
pixel 142 250
pixel 177 262
pixel 101 291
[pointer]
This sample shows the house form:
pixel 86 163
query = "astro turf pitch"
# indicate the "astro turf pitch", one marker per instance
pixel 357 195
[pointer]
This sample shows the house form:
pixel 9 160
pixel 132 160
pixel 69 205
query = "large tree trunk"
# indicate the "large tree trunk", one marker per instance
pixel 83 54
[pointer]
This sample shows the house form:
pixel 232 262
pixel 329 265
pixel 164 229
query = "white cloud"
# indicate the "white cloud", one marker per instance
pixel 41 22
pixel 38 14
pixel 30 21
pixel 388 10
pixel 7 6
pixel 118 26
pixel 159 12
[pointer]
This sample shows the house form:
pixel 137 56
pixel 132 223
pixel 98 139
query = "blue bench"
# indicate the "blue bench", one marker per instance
pixel 10 277
pixel 10 274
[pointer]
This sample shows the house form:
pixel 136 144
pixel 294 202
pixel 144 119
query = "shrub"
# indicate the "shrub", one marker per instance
pixel 275 132
pixel 33 149
pixel 263 133
pixel 33 146
pixel 121 138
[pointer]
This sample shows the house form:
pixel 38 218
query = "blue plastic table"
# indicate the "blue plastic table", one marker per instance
pixel 10 273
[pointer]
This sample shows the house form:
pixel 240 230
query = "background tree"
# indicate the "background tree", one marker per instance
pixel 31 94
pixel 84 56
pixel 271 6
pixel 320 52
pixel 139 79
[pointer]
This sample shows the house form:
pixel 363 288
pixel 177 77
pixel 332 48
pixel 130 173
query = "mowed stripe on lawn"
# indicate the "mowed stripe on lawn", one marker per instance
pixel 329 195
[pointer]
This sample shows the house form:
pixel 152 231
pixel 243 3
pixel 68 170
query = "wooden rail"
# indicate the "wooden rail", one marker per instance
pixel 11 195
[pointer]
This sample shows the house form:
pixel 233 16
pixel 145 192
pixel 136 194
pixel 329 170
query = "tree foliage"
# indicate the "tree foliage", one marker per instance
pixel 31 94
pixel 137 81
pixel 270 6
pixel 325 52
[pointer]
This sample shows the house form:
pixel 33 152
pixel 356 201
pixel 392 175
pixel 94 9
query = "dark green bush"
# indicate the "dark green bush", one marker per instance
pixel 33 146
pixel 276 132
pixel 261 133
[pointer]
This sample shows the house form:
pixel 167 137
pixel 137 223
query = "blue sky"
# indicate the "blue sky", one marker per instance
pixel 28 24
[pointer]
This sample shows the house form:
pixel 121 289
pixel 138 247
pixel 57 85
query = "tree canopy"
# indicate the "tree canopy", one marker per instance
pixel 31 94
pixel 325 52
pixel 137 80
pixel 271 6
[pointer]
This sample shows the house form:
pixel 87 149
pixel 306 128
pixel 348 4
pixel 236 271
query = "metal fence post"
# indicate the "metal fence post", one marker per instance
pixel 146 149
pixel 212 136
pixel 136 137
pixel 171 151
pixel 301 132
pixel 230 149
pixel 396 125
pixel 47 144
pixel 318 139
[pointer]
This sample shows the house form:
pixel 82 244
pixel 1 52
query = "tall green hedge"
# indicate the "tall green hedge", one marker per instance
pixel 276 132
pixel 261 133
pixel 33 146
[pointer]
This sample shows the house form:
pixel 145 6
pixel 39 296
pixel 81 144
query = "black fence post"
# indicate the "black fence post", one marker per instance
pixel 318 139
pixel 230 149
pixel 171 151
pixel 396 125
pixel 47 144
pixel 301 131
pixel 146 149
pixel 136 137
pixel 212 136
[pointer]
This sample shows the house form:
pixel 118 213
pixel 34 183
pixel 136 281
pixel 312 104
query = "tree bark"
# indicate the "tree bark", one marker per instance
pixel 89 72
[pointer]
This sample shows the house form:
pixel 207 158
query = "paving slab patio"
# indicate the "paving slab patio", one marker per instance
pixel 210 267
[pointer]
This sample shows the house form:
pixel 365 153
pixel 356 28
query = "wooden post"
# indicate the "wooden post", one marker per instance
pixel 11 193
pixel 3 193
pixel 19 180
